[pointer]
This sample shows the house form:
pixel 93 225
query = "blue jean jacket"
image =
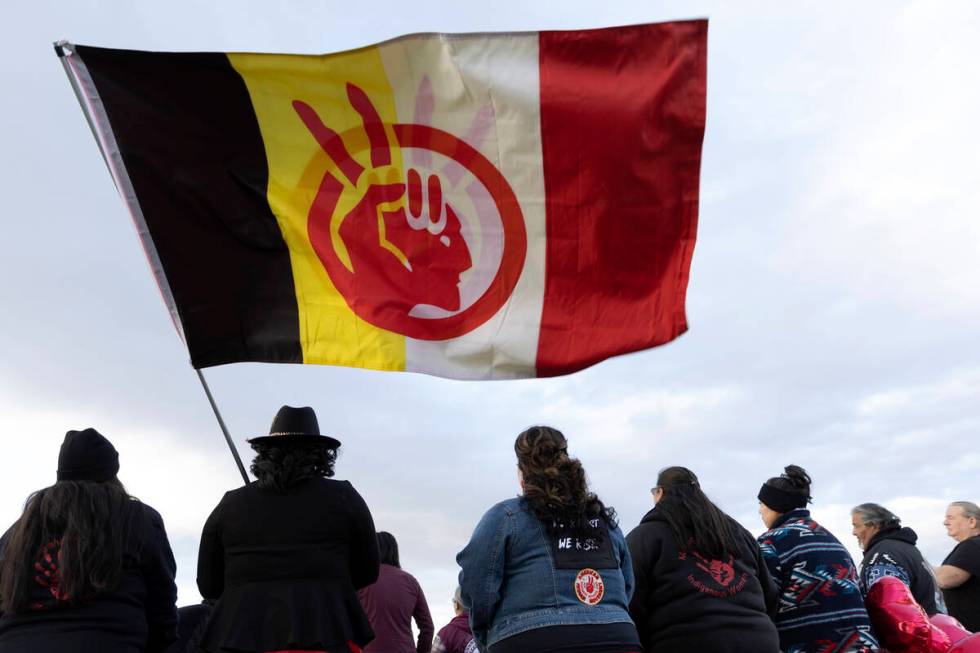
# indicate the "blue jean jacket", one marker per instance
pixel 514 577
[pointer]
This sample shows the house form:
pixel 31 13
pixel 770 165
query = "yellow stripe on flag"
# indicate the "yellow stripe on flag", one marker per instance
pixel 330 332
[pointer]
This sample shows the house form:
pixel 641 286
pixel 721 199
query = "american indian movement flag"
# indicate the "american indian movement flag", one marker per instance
pixel 474 206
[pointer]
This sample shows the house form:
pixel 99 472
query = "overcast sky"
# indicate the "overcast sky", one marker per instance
pixel 834 303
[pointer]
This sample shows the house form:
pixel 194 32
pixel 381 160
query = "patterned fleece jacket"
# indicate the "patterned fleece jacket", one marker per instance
pixel 821 609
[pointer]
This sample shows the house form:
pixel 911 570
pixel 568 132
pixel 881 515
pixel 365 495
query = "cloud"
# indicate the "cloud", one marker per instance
pixel 888 203
pixel 833 302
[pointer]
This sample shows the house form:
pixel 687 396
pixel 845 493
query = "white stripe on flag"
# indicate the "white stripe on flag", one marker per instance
pixel 486 91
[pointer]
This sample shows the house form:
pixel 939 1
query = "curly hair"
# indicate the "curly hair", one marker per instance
pixel 279 467
pixel 555 485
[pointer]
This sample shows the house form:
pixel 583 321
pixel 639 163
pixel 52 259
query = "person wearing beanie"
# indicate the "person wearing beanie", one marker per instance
pixel 87 567
pixel 820 603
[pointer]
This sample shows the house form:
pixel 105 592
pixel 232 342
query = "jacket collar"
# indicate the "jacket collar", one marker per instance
pixel 792 515
pixel 652 515
pixel 900 533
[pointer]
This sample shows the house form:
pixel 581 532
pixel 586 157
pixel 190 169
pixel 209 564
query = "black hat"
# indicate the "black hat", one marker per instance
pixel 296 426
pixel 87 456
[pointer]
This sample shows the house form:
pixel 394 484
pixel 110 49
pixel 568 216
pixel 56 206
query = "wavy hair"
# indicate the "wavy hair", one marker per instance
pixel 873 514
pixel 279 467
pixel 695 522
pixel 74 531
pixel 555 485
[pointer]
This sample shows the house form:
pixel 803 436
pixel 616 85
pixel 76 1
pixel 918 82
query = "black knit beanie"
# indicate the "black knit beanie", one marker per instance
pixel 780 500
pixel 87 456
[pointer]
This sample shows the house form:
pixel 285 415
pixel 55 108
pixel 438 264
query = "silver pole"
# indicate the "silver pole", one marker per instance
pixel 224 429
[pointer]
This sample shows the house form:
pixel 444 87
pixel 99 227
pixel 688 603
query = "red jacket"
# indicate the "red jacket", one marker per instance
pixel 455 637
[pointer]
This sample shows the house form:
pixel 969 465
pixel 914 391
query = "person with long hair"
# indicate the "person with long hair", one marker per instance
pixel 87 567
pixel 392 603
pixel 701 584
pixel 549 570
pixel 283 557
pixel 820 602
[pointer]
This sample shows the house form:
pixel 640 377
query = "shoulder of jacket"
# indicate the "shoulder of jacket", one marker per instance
pixel 508 507
pixel 239 492
pixel 649 530
pixel 149 511
pixel 779 532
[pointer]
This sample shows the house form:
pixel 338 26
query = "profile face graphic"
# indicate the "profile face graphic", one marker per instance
pixel 430 250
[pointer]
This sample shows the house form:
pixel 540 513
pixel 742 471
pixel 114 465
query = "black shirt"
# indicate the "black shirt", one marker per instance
pixel 283 568
pixel 686 603
pixel 963 602
pixel 139 615
pixel 584 638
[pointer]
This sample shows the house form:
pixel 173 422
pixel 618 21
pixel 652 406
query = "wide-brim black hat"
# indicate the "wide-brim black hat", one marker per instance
pixel 296 426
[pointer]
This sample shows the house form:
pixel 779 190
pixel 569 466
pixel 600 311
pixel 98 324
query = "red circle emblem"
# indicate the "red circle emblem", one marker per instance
pixel 430 251
pixel 589 587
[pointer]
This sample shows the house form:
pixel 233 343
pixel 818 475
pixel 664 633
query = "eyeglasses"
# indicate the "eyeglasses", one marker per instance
pixel 654 489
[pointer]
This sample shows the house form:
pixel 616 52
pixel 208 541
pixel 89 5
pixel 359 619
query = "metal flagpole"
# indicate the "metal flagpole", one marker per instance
pixel 224 429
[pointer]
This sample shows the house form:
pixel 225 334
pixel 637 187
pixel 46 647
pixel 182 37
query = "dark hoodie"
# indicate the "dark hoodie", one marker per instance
pixel 892 552
pixel 684 602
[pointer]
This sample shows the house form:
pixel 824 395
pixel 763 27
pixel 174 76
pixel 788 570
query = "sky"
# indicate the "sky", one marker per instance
pixel 834 302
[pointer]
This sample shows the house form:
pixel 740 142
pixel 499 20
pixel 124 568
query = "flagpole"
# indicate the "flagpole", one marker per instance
pixel 64 49
pixel 221 423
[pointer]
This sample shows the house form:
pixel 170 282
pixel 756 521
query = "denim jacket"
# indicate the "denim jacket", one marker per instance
pixel 515 577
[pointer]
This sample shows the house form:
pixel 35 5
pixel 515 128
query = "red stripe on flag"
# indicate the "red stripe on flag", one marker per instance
pixel 622 121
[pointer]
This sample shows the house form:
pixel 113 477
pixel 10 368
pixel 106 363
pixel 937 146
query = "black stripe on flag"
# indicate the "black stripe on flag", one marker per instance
pixel 192 148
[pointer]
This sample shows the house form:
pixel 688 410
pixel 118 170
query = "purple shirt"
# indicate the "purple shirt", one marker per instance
pixel 390 605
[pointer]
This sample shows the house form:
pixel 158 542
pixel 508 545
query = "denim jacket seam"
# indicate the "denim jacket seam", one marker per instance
pixel 492 577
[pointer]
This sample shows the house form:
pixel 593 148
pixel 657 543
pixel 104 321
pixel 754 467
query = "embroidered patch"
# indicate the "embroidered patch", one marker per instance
pixel 589 587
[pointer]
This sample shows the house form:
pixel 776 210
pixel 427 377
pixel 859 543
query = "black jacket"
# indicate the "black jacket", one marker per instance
pixel 284 568
pixel 892 552
pixel 139 615
pixel 685 603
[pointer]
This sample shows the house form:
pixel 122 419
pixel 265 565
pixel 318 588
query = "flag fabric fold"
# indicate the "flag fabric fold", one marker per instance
pixel 472 206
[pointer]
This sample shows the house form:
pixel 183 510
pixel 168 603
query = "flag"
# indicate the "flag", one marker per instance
pixel 473 206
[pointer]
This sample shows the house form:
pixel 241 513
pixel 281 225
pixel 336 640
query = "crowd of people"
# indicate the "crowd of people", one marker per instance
pixel 292 562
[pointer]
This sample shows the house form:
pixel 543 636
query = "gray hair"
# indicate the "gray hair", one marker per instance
pixel 970 509
pixel 872 514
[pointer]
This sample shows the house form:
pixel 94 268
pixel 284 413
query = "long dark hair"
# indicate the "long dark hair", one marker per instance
pixel 388 548
pixel 555 486
pixel 70 538
pixel 279 467
pixel 696 523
